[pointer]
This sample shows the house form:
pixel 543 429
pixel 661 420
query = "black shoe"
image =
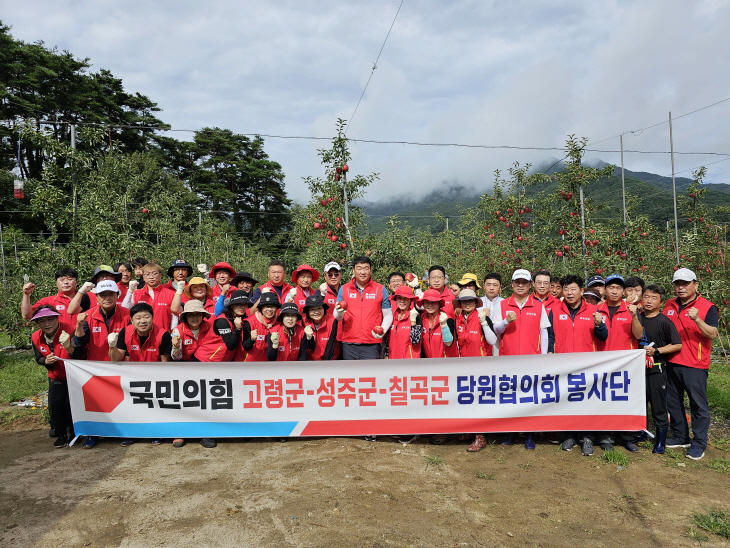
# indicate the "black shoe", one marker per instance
pixel 208 443
pixel 587 448
pixel 283 440
pixel 606 445
pixel 62 441
pixel 631 446
pixel 407 438
pixel 52 433
pixel 568 444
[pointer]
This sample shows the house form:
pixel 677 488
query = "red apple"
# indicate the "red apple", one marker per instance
pixel 323 202
pixel 345 168
pixel 338 169
pixel 343 246
pixel 410 277
pixel 334 238
pixel 145 210
pixel 337 177
pixel 317 225
pixel 559 253
pixel 342 305
pixel 378 330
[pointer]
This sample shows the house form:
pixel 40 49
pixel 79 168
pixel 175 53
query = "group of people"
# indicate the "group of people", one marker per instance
pixel 221 315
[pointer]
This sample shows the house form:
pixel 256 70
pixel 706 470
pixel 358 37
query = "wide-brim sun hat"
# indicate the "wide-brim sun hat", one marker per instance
pixel 197 281
pixel 314 301
pixel 302 268
pixel 179 263
pixel 194 306
pixel 241 276
pixel 469 295
pixel 433 296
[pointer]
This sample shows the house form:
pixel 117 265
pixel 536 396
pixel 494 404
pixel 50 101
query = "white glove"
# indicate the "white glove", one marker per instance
pixel 442 319
pixel 291 295
pixel 339 312
pixel 65 340
pixel 112 339
pixel 133 285
pixel 202 268
pixel 418 293
pixel 323 289
pixel 309 332
pixel 88 286
pixel 374 334
pixel 482 315
pixel 180 287
pixel 414 316
pixel 266 290
pixel 275 340
pixel 414 282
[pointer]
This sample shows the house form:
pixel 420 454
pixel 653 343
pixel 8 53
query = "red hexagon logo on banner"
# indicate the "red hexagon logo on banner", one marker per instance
pixel 102 394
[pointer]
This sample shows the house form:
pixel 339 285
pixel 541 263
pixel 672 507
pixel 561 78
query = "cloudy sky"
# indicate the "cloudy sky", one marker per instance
pixel 487 73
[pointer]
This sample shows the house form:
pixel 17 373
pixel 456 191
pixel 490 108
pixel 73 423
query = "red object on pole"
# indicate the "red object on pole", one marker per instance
pixel 18 189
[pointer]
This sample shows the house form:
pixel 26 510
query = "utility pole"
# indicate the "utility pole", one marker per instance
pixel 623 182
pixel 347 212
pixel 583 228
pixel 674 189
pixel 73 179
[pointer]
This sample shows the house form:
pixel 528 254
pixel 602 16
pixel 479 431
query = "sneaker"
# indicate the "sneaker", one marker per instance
pixel 641 437
pixel 127 443
pixel 208 443
pixel 90 442
pixel 408 438
pixel 509 439
pixel 550 437
pixel 568 444
pixel 283 440
pixel 439 439
pixel 52 433
pixel 673 443
pixel 529 444
pixel 178 442
pixel 370 438
pixel 156 442
pixel 631 446
pixel 605 445
pixel 62 441
pixel 587 448
pixel 695 452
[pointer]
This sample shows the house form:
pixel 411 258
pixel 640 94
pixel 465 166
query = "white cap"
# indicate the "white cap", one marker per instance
pixel 521 274
pixel 106 285
pixel 685 275
pixel 334 264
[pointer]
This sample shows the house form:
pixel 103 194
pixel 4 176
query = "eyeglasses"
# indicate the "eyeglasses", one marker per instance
pixel 541 284
pixel 151 274
pixel 333 274
pixel 432 277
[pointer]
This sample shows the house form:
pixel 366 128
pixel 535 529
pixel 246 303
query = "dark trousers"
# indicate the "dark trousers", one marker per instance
pixel 656 395
pixel 683 380
pixel 352 351
pixel 59 406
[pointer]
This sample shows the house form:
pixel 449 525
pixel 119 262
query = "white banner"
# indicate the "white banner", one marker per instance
pixel 557 392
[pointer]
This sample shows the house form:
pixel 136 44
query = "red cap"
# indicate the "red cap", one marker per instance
pixel 404 291
pixel 302 268
pixel 433 296
pixel 222 266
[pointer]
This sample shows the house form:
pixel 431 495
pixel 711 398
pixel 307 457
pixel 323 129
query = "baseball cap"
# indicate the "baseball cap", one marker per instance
pixel 331 265
pixel 106 285
pixel 591 294
pixel 521 274
pixel 596 280
pixel 684 275
pixel 616 279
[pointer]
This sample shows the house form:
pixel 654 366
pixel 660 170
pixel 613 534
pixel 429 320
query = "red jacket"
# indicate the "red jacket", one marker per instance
pixel 620 336
pixel 60 302
pixel 285 287
pixel 695 346
pixel 300 298
pixel 364 312
pixel 331 297
pixel 189 342
pixel 470 336
pixel 162 314
pixel 98 349
pixel 288 350
pixel 211 347
pixel 257 353
pixel 522 336
pixel 432 343
pixel 399 339
pixel 448 296
pixel 149 351
pixel 550 303
pixel 56 371
pixel 322 337
pixel 122 291
pixel 578 335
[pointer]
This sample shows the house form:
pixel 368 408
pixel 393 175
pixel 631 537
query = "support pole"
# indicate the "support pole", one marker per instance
pixel 2 252
pixel 73 179
pixel 200 236
pixel 623 182
pixel 227 248
pixel 674 189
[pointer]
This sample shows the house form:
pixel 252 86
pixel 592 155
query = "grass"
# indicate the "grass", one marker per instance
pixel 11 415
pixel 719 465
pixel 673 457
pixel 433 460
pixel 713 521
pixel 20 376
pixel 484 475
pixel 697 535
pixel 616 456
pixel 723 444
pixel 718 388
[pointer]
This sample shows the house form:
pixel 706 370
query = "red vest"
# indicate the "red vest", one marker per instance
pixel 210 346
pixel 399 339
pixel 122 291
pixel 150 351
pixel 550 303
pixel 162 314
pixel 331 297
pixel 98 349
pixel 258 350
pixel 620 336
pixel 432 342
pixel 322 337
pixel 189 343
pixel 60 302
pixel 300 298
pixel 695 346
pixel 448 296
pixel 56 371
pixel 285 287
pixel 364 312
pixel 578 335
pixel 288 350
pixel 522 336
pixel 470 336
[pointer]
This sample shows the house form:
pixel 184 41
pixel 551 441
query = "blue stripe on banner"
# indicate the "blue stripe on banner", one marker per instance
pixel 185 429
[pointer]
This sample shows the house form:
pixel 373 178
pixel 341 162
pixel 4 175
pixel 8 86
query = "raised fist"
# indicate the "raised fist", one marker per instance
pixel 275 340
pixel 176 341
pixel 633 309
pixel 81 318
pixel 414 316
pixel 597 317
pixel 28 288
pixel 238 322
pixel 88 286
pixel 65 340
pixel 413 282
pixel 111 339
pixel 180 287
pixel 133 285
pixel 254 334
pixel 693 314
pixel 511 316
pixel 292 294
pixel 202 268
pixel 323 289
pixel 483 313
pixel 225 288
pixel 266 290
pixel 309 332
pixel 443 318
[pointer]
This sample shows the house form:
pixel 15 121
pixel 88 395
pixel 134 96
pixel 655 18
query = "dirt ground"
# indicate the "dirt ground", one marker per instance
pixel 343 492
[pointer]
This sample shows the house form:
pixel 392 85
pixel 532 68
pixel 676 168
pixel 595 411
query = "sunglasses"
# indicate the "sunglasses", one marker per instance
pixel 333 274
